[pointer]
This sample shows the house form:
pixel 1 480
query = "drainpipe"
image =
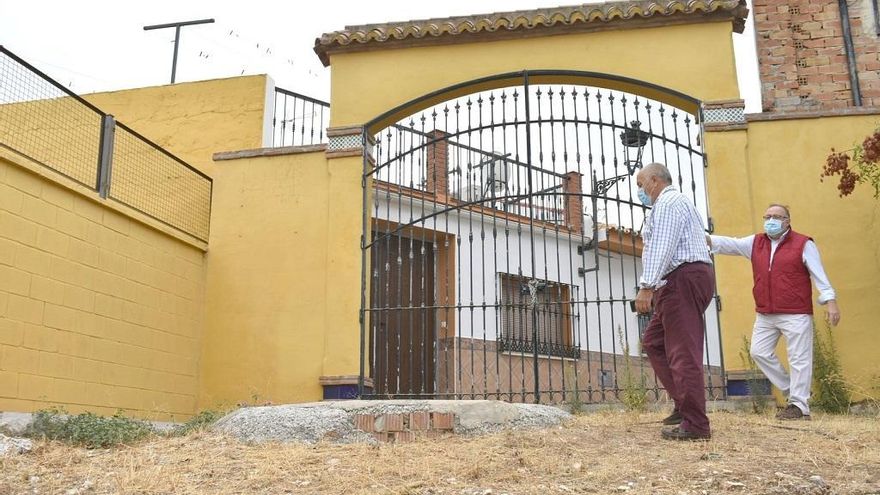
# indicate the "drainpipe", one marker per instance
pixel 876 17
pixel 850 52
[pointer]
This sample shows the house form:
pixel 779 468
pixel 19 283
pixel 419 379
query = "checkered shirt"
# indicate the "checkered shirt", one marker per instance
pixel 673 236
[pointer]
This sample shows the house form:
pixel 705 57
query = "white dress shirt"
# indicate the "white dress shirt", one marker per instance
pixel 673 236
pixel 742 246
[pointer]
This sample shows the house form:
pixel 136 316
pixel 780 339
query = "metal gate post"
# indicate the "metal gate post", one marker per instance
pixel 105 157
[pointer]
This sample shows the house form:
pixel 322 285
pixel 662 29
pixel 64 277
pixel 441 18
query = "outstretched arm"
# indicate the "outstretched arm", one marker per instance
pixel 736 246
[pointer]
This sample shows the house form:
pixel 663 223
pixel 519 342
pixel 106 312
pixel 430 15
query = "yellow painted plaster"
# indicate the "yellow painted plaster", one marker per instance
pixel 780 161
pixel 267 296
pixel 194 120
pixel 695 59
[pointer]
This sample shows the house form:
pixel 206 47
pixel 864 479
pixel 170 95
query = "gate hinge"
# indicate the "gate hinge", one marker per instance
pixel 588 246
pixel 584 271
pixel 711 225
pixel 718 302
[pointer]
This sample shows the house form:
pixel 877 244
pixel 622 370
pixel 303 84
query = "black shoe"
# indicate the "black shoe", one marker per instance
pixel 676 433
pixel 673 419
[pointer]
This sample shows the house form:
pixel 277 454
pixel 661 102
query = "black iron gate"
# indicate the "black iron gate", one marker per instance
pixel 502 241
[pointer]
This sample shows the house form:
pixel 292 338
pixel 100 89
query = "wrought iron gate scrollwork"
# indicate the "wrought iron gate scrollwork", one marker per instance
pixel 501 246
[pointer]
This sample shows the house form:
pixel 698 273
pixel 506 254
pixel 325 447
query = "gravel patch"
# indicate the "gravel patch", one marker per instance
pixel 290 423
pixel 538 416
pixel 12 445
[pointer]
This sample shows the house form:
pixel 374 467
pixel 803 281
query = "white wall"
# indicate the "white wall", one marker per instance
pixel 488 246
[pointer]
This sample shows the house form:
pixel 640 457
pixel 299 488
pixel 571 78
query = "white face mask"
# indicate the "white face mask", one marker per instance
pixel 773 227
pixel 645 198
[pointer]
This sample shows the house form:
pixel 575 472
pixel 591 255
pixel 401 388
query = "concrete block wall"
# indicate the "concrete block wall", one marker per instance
pixel 98 311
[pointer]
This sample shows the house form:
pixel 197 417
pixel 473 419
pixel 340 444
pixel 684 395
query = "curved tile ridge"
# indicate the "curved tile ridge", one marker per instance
pixel 523 20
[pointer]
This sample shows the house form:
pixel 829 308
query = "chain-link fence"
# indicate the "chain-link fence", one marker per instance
pixel 47 123
pixel 151 180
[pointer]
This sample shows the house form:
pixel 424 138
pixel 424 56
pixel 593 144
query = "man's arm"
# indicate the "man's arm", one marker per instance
pixel 827 295
pixel 736 246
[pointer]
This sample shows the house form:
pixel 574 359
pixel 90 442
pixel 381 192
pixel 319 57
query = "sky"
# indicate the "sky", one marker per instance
pixel 100 45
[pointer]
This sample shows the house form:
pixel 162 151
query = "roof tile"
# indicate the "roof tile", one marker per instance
pixel 584 16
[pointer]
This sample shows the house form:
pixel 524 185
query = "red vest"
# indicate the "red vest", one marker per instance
pixel 786 287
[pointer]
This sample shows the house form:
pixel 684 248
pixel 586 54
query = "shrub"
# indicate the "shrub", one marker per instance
pixel 863 167
pixel 572 395
pixel 87 429
pixel 198 422
pixel 831 391
pixel 635 391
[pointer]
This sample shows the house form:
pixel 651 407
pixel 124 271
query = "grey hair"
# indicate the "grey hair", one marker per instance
pixel 658 170
pixel 780 205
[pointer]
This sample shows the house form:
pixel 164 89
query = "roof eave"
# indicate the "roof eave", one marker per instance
pixel 377 37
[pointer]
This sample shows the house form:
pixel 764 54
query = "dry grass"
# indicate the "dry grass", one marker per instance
pixel 599 453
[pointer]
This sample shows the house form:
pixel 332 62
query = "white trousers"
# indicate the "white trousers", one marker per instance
pixel 798 333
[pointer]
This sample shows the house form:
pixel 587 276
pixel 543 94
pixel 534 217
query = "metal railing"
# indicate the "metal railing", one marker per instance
pixel 299 120
pixel 485 274
pixel 47 123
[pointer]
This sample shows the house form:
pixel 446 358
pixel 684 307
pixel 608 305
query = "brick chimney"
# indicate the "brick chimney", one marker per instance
pixel 437 163
pixel 574 202
pixel 802 56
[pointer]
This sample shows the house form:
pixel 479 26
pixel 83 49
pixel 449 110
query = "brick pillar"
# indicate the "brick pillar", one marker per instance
pixel 574 202
pixel 801 57
pixel 436 173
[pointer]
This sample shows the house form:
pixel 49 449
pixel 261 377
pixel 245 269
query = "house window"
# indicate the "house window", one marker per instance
pixel 551 314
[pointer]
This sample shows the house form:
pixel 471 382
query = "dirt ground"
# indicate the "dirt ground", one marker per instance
pixel 609 452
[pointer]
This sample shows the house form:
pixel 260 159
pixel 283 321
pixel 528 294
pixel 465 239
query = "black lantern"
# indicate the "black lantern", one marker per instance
pixel 633 140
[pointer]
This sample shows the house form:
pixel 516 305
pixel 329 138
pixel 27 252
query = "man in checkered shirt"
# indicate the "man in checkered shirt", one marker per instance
pixel 678 281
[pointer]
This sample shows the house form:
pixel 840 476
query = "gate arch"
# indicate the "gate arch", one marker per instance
pixel 502 237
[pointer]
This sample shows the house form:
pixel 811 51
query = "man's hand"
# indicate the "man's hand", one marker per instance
pixel 832 313
pixel 643 301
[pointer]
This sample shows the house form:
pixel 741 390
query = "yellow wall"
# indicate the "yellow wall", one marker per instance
pixel 98 311
pixel 780 161
pixel 345 225
pixel 266 298
pixel 366 84
pixel 194 120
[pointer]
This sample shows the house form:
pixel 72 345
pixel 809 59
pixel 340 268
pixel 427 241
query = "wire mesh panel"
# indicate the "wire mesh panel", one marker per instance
pixel 299 120
pixel 152 181
pixel 505 244
pixel 43 121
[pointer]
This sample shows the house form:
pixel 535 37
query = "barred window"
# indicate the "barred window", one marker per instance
pixel 551 314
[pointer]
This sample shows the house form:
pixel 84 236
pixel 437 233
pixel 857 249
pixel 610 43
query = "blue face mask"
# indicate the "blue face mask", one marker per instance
pixel 773 227
pixel 644 198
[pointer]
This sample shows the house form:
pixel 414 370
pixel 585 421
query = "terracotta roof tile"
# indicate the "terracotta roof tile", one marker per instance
pixel 574 18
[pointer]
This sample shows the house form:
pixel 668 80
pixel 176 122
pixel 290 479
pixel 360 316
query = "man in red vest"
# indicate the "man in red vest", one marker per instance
pixel 783 261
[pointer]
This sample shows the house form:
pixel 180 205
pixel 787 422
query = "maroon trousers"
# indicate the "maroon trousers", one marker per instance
pixel 673 340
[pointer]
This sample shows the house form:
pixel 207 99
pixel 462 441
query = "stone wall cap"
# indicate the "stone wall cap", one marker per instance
pixel 547 21
pixel 811 114
pixel 344 380
pixel 724 104
pixel 279 151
